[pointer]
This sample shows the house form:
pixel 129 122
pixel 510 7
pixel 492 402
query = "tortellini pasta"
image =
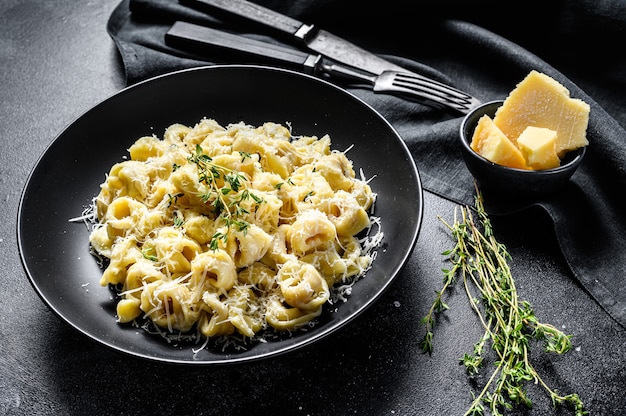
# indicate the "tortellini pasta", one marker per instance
pixel 234 229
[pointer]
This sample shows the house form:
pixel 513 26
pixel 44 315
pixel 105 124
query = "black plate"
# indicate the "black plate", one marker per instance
pixel 55 252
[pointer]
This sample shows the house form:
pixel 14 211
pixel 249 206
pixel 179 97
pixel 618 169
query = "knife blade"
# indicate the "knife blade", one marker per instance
pixel 320 41
pixel 184 35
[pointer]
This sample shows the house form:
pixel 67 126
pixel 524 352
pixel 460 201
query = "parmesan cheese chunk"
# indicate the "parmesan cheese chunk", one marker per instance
pixel 537 145
pixel 489 141
pixel 540 101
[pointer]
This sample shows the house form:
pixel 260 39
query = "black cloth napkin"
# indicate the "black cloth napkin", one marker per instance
pixel 478 47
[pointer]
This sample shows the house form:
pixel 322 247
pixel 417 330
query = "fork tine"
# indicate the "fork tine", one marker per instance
pixel 411 81
pixel 418 88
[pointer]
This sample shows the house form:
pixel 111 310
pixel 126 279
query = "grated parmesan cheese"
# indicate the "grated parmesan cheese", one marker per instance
pixel 230 233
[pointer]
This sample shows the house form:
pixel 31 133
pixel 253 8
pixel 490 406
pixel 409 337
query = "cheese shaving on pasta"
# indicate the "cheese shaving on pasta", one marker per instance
pixel 232 230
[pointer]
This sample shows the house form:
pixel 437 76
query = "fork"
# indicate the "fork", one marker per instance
pixel 413 87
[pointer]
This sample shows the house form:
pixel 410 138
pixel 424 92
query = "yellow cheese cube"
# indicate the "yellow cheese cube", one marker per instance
pixel 541 101
pixel 493 145
pixel 537 145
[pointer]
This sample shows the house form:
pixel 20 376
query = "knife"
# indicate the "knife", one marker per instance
pixel 184 35
pixel 321 41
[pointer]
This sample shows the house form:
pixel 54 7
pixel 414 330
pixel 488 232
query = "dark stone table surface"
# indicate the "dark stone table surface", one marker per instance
pixel 56 61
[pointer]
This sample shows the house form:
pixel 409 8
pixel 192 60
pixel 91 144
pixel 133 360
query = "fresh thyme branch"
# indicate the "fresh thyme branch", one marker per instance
pixel 225 197
pixel 510 325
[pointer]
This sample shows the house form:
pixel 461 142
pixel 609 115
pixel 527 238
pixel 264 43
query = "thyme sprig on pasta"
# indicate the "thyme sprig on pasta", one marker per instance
pixel 510 324
pixel 230 210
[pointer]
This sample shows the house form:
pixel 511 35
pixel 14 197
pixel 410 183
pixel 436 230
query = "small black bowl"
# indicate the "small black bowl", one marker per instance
pixel 511 181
